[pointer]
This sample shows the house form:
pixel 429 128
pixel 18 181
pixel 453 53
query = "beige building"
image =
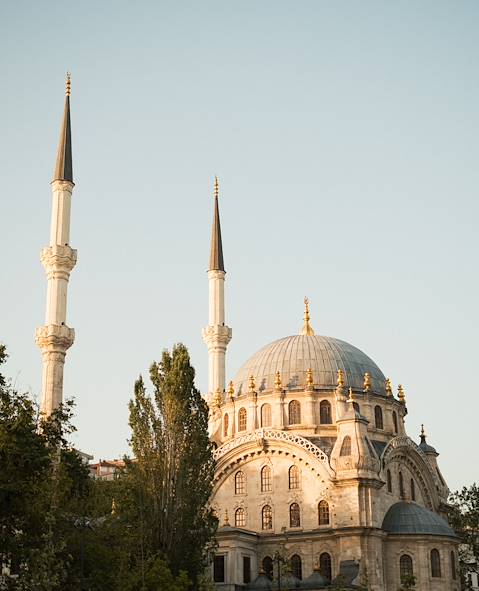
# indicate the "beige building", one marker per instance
pixel 316 478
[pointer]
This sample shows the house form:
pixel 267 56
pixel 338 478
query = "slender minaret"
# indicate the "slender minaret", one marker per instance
pixel 58 259
pixel 216 335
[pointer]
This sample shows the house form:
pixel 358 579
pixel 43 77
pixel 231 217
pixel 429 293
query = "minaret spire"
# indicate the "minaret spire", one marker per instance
pixel 55 337
pixel 216 335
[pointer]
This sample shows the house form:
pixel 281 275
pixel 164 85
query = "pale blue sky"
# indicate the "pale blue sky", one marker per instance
pixel 345 136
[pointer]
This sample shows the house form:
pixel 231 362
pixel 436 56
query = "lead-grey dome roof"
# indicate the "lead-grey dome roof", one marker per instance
pixel 292 356
pixel 409 518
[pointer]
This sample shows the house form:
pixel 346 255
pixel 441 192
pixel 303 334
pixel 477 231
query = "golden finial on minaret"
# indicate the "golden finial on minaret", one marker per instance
pixel 217 400
pixel 401 395
pixel 68 84
pixel 351 395
pixel 277 381
pixel 309 379
pixel 367 382
pixel 340 380
pixel 388 387
pixel 307 328
pixel 252 385
pixel 217 187
pixel 231 390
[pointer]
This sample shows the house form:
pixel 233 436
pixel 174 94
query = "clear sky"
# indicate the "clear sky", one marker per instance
pixel 346 139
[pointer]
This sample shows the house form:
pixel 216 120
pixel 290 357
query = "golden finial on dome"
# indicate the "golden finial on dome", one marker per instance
pixel 401 395
pixel 423 433
pixel 340 380
pixel 307 328
pixel 277 381
pixel 217 400
pixel 388 387
pixel 68 84
pixel 217 187
pixel 367 382
pixel 231 390
pixel 309 379
pixel 351 395
pixel 252 385
pixel 114 510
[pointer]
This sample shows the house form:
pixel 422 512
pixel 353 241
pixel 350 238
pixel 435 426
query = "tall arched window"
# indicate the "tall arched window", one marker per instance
pixel 401 486
pixel 413 490
pixel 323 513
pixel 268 567
pixel 240 517
pixel 294 515
pixel 378 417
pixel 405 567
pixel 293 476
pixel 240 483
pixel 266 415
pixel 266 484
pixel 453 566
pixel 325 412
pixel 389 481
pixel 294 412
pixel 296 566
pixel 225 425
pixel 435 563
pixel 395 422
pixel 266 517
pixel 346 446
pixel 325 565
pixel 242 419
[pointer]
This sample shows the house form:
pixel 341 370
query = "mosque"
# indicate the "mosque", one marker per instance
pixel 316 478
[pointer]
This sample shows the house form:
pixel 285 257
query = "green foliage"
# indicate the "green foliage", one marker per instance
pixel 464 518
pixel 408 583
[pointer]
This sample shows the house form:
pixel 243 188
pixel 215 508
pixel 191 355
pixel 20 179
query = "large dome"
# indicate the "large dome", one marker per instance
pixel 293 356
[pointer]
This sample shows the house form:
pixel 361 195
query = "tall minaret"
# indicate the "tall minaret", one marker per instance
pixel 216 335
pixel 58 259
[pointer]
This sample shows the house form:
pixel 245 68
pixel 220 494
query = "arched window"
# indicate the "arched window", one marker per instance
pixel 225 425
pixel 294 515
pixel 266 484
pixel 435 563
pixel 296 566
pixel 240 517
pixel 294 412
pixel 266 415
pixel 378 417
pixel 413 490
pixel 346 446
pixel 268 567
pixel 405 567
pixel 325 565
pixel 323 513
pixel 401 486
pixel 395 422
pixel 325 412
pixel 453 566
pixel 242 419
pixel 293 475
pixel 389 481
pixel 240 483
pixel 266 517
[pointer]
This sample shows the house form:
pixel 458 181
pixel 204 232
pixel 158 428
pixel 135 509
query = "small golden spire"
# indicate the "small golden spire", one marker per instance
pixel 114 510
pixel 231 390
pixel 401 395
pixel 252 385
pixel 226 521
pixel 423 433
pixel 277 381
pixel 340 380
pixel 309 379
pixel 68 84
pixel 351 395
pixel 388 387
pixel 217 187
pixel 307 328
pixel 217 400
pixel 367 382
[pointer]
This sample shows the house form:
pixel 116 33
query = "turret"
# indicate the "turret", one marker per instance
pixel 58 259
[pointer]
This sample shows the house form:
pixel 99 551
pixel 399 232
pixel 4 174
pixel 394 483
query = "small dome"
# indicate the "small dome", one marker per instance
pixel 293 356
pixel 409 518
pixel 261 583
pixel 314 581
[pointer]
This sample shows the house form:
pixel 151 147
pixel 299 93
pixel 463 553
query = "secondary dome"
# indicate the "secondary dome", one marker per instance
pixel 293 356
pixel 409 518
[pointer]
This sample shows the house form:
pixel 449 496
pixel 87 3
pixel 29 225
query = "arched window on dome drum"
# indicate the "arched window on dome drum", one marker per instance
pixel 266 484
pixel 268 567
pixel 293 476
pixel 323 513
pixel 413 490
pixel 242 419
pixel 405 568
pixel 225 425
pixel 395 422
pixel 325 565
pixel 240 483
pixel 266 415
pixel 294 412
pixel 401 486
pixel 266 517
pixel 240 517
pixel 378 417
pixel 346 446
pixel 325 412
pixel 435 563
pixel 389 481
pixel 453 566
pixel 296 566
pixel 294 515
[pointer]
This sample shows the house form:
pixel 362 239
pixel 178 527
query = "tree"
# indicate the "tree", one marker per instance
pixel 464 518
pixel 408 583
pixel 170 482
